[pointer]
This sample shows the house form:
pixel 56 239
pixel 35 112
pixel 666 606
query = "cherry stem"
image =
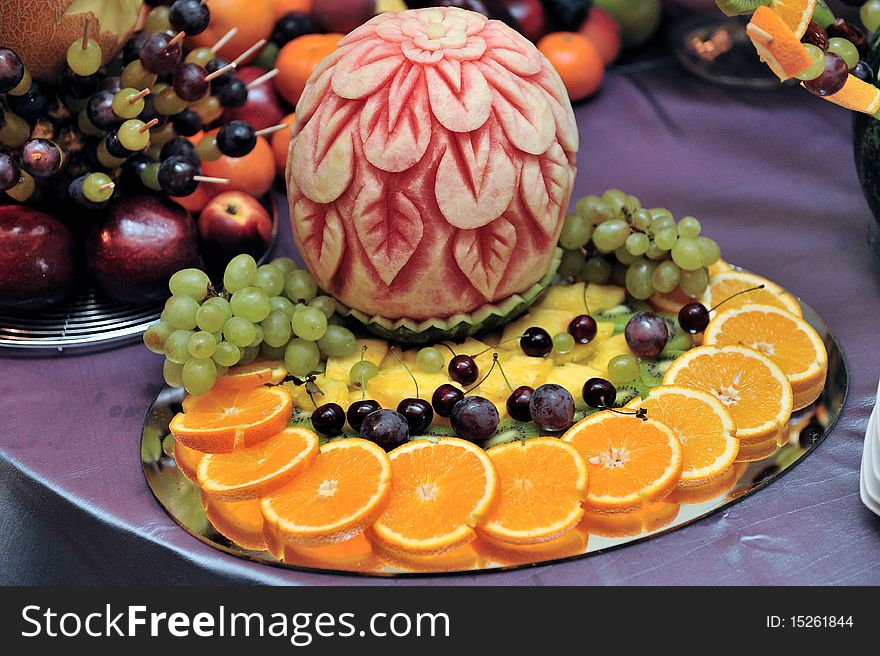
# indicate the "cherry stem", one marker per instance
pixel 226 38
pixel 641 413
pixel 504 376
pixel 85 40
pixel 739 293
pixel 492 348
pixel 274 128
pixel 586 305
pixel 488 373
pixel 363 382
pixel 250 51
pixel 265 77
pixel 400 360
pixel 454 354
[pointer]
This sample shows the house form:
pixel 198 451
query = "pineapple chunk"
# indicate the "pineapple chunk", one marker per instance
pixel 393 384
pixel 584 352
pixel 332 391
pixel 570 298
pixel 605 350
pixel 572 377
pixel 339 368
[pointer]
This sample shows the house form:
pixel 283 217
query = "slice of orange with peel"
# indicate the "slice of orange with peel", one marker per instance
pixel 719 267
pixel 239 521
pixel 752 387
pixel 652 517
pixel 723 287
pixel 754 451
pixel 352 555
pixel 255 471
pixel 221 420
pixel 442 490
pixel 707 491
pixel 503 554
pixel 788 340
pixel 796 14
pixel 856 95
pixel 542 484
pixel 187 460
pixel 462 558
pixel 259 372
pixel 702 423
pixel 340 495
pixel 779 47
pixel 631 462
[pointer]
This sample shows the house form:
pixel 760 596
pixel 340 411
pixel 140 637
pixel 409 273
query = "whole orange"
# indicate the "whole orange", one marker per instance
pixel 253 173
pixel 196 201
pixel 298 59
pixel 577 61
pixel 281 7
pixel 281 143
pixel 601 28
pixel 254 20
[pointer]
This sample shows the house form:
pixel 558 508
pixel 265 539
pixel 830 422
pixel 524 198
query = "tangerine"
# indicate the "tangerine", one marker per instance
pixel 254 19
pixel 577 60
pixel 298 59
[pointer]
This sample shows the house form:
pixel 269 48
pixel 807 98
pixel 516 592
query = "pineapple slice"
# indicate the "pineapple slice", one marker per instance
pixel 393 384
pixel 584 352
pixel 553 321
pixel 572 377
pixel 605 350
pixel 332 391
pixel 339 368
pixel 570 298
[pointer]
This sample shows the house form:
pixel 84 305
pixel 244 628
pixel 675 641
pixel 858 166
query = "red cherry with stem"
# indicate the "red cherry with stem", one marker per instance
pixel 599 393
pixel 444 399
pixel 359 410
pixel 418 414
pixel 518 403
pixel 536 342
pixel 463 369
pixel 583 327
pixel 328 419
pixel 694 317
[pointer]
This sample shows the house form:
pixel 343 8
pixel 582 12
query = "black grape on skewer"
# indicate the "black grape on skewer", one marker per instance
pixel 178 176
pixel 190 16
pixel 79 86
pixel 30 105
pixel 161 53
pixel 187 123
pixel 41 158
pixel 11 70
pixel 100 111
pixel 10 172
pixel 179 147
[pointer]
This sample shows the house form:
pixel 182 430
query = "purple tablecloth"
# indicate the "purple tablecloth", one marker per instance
pixel 771 177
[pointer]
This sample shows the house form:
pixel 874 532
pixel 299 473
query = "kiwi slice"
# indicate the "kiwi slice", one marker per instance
pixel 627 392
pixel 618 316
pixel 739 7
pixel 511 430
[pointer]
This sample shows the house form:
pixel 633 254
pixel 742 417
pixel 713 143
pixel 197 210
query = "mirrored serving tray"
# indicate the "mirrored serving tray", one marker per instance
pixel 596 533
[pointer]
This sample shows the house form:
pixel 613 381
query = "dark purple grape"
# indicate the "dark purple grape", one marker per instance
pixel 552 407
pixel 328 419
pixel 444 399
pixel 233 95
pixel 177 176
pixel 474 418
pixel 78 86
pixel 567 15
pixel 832 78
pixel 222 80
pixel 179 147
pixel 148 113
pixel 583 328
pixel 418 414
pixel 10 172
pixel 536 342
pixel 518 403
pixel 292 25
pixel 158 55
pixel 646 334
pixel 132 169
pixel 359 410
pixel 190 16
pixel 75 191
pixel 385 428
pixel 100 111
pixel 693 318
pixel 845 30
pixel 816 35
pixel 187 123
pixel 2 116
pixel 113 84
pixel 31 105
pixel 463 370
pixel 11 70
pixel 115 147
pixel 864 72
pixel 40 157
pixel 599 393
pixel 236 139
pixel 132 49
pixel 190 83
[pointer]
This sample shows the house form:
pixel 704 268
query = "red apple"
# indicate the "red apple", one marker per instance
pixel 529 15
pixel 342 15
pixel 263 108
pixel 233 222
pixel 141 243
pixel 36 259
pixel 603 30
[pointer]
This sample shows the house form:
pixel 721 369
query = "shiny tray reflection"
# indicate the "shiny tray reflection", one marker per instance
pixel 597 532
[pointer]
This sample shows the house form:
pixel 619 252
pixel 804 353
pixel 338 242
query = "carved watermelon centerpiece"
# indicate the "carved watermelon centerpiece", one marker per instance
pixel 430 169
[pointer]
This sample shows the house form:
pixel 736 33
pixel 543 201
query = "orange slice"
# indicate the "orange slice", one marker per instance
pixel 776 44
pixel 463 558
pixel 239 521
pixel 255 471
pixel 796 14
pixel 631 462
pixel 754 451
pixel 352 555
pixel 702 423
pixel 503 554
pixel 707 491
pixel 187 460
pixel 725 285
pixel 442 490
pixel 339 496
pixel 788 340
pixel 856 95
pixel 221 420
pixel 719 267
pixel 542 484
pixel 258 372
pixel 653 517
pixel 753 387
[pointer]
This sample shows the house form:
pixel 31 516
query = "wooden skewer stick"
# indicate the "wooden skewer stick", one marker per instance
pixel 220 71
pixel 263 78
pixel 224 40
pixel 107 185
pixel 147 126
pixel 140 95
pixel 85 39
pixel 209 179
pixel 757 33
pixel 250 51
pixel 274 128
pixel 177 38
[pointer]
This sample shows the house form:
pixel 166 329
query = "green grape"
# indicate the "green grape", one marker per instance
pixel 165 102
pixel 300 287
pixel 276 329
pixel 661 212
pixel 563 343
pixel 155 336
pixel 107 160
pixel 870 15
pixel 687 254
pixel 282 304
pixel 240 273
pixel 845 49
pixel 637 243
pixel 361 373
pixel 172 373
pixel 201 344
pixel 586 205
pixel 624 256
pixel 639 279
pixel 309 324
pixel 663 223
pixel 632 205
pixel 157 19
pixel 576 232
pixel 258 336
pixel 168 445
pixel 133 134
pixel 268 56
pixel 199 56
pixel 623 369
pixel 689 227
pixel 602 212
pixel 571 263
pixel 611 235
pixel 226 354
pixel 207 149
pixel 285 265
pixel 596 270
pixel 134 75
pixel 430 360
pixel 666 277
pixel 221 370
pixel 654 252
pixel 127 103
pixel 190 282
pixel 150 177
pixel 84 59
pixel 210 318
pixel 694 283
pixel 665 238
pixel 180 312
pixel 14 131
pixel 249 354
pixel 221 303
pixel 711 250
pixel 270 279
pixel 642 220
pixel 177 347
pixel 208 108
pixel 301 357
pixel 199 375
pixel 23 189
pixel 151 447
pixel 616 200
pixel 272 352
pixel 97 187
pixel 338 342
pixel 250 303
pixel 240 332
pixel 325 304
pixel 817 67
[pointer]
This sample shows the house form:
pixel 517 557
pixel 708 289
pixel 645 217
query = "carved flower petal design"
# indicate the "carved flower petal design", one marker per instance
pixel 484 253
pixel 322 236
pixel 507 49
pixel 545 184
pixel 365 69
pixel 389 226
pixel 566 124
pixel 456 110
